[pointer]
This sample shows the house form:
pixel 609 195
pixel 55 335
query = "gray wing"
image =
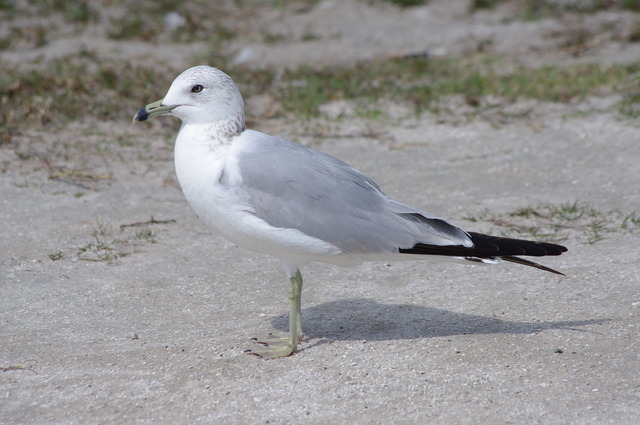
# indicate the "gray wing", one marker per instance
pixel 292 186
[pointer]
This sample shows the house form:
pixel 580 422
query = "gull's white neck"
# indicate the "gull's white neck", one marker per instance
pixel 200 152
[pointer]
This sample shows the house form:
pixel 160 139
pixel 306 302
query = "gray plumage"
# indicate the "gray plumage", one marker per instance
pixel 292 186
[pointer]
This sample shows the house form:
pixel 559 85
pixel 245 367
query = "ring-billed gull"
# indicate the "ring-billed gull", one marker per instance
pixel 297 204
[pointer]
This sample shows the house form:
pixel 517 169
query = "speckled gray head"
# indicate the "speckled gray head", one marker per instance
pixel 201 94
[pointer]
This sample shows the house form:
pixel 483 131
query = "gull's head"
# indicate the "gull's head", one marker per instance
pixel 200 95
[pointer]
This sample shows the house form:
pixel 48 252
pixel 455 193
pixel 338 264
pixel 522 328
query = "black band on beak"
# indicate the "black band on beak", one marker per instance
pixel 142 114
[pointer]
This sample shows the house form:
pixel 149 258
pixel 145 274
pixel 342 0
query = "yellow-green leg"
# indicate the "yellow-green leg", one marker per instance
pixel 275 346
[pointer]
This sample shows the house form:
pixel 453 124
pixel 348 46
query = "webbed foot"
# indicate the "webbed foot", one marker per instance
pixel 274 346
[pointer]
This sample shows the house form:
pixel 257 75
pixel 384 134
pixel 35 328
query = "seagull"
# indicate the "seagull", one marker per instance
pixel 299 205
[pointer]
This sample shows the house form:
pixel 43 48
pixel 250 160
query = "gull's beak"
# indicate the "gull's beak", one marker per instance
pixel 152 110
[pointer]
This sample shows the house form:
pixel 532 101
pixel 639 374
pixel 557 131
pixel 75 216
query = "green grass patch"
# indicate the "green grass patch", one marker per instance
pixel 7 5
pixel 56 256
pixel 407 3
pixel 203 21
pixel 76 88
pixel 423 82
pixel 74 11
pixel 84 87
pixel 25 37
pixel 108 244
pixel 282 4
pixel 630 105
pixel 485 4
pixel 543 9
pixel 559 222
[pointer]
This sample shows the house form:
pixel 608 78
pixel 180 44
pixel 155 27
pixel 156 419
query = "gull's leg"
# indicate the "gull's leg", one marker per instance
pixel 275 346
pixel 298 298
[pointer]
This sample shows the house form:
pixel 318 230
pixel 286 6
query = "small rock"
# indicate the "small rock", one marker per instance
pixel 244 55
pixel 173 20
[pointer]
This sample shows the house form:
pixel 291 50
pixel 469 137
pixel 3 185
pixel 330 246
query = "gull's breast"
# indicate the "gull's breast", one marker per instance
pixel 211 182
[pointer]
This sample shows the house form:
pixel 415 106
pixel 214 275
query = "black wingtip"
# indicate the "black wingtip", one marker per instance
pixel 524 262
pixel 492 247
pixel 499 246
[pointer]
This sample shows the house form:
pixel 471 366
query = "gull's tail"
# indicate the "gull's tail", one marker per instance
pixel 487 249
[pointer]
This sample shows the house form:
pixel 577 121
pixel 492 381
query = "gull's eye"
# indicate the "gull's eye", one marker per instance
pixel 196 89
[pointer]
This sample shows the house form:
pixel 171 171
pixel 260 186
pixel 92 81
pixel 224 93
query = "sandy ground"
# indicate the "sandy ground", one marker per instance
pixel 158 335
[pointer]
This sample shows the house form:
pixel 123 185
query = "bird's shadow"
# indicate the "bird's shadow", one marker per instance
pixel 366 319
